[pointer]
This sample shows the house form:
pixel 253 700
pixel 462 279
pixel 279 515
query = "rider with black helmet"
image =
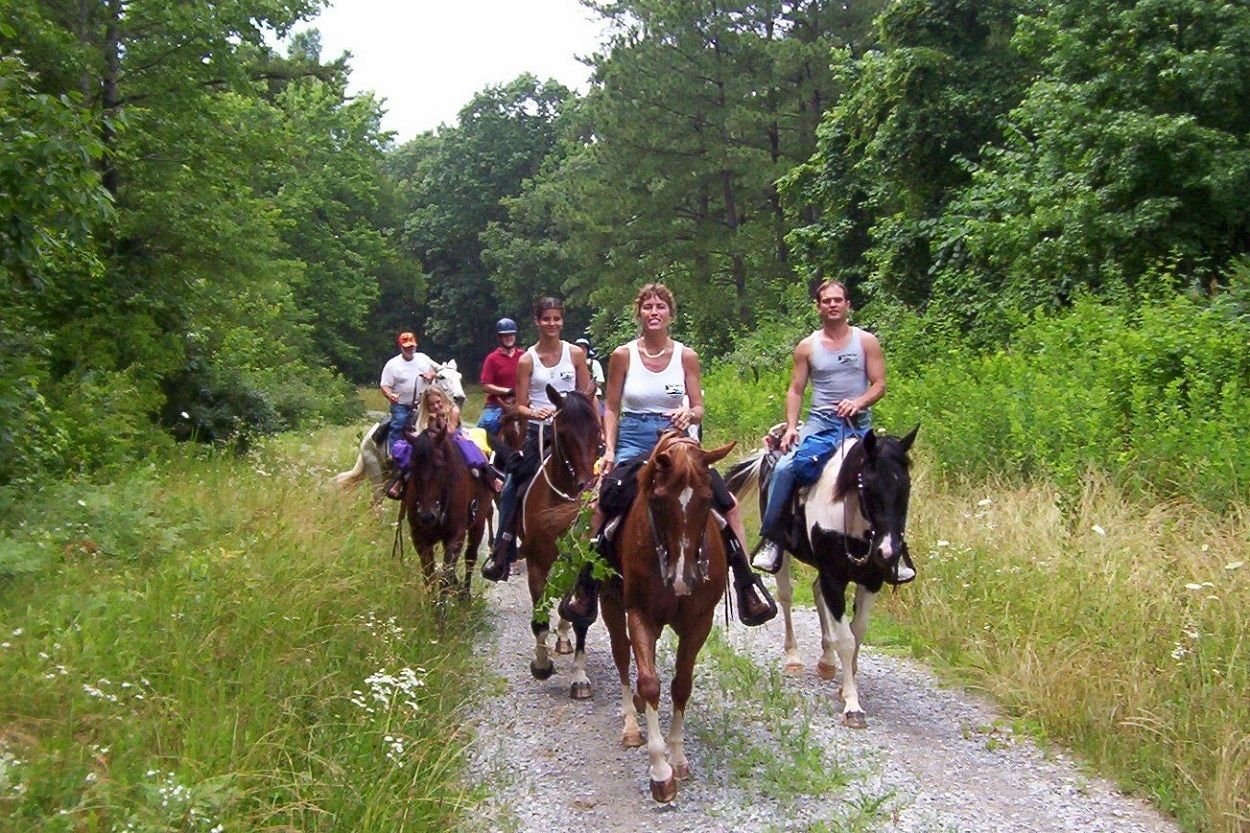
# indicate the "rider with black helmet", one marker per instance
pixel 499 377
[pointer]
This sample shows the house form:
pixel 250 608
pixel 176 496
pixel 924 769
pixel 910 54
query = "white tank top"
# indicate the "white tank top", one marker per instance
pixel 562 377
pixel 649 392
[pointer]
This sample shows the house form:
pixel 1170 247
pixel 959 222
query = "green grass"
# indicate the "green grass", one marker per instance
pixel 225 641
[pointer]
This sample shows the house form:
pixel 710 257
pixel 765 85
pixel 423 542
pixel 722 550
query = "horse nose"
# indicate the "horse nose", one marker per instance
pixel 459 401
pixel 427 518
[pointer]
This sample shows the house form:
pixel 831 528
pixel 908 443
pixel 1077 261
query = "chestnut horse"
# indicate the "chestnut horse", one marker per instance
pixel 549 506
pixel 672 572
pixel 445 504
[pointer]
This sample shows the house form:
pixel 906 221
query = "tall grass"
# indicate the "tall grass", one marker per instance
pixel 225 643
pixel 1118 628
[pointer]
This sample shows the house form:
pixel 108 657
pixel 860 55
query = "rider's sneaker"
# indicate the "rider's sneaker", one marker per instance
pixel 903 573
pixel 768 558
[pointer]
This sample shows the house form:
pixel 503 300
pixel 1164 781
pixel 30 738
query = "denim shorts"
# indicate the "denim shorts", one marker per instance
pixel 637 434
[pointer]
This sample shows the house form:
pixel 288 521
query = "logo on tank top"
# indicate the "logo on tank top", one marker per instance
pixel 566 375
pixel 848 359
pixel 674 390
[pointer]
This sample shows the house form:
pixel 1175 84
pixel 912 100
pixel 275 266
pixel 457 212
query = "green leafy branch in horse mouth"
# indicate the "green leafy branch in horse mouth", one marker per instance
pixel 576 552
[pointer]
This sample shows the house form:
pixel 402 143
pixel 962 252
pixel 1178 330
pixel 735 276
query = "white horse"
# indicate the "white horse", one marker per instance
pixel 374 459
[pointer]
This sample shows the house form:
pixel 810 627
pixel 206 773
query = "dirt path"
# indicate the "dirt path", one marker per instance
pixel 767 750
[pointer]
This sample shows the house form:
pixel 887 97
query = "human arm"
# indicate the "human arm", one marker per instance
pixel 387 385
pixel 430 367
pixel 692 413
pixel 525 369
pixel 617 365
pixel 794 394
pixel 874 368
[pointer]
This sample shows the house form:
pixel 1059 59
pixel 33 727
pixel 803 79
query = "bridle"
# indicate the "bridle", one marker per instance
pixel 556 452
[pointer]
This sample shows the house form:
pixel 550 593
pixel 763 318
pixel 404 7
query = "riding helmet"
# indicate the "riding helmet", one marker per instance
pixel 504 326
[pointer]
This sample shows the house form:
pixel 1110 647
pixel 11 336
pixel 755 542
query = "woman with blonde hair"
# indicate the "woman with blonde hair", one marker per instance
pixel 654 384
pixel 436 404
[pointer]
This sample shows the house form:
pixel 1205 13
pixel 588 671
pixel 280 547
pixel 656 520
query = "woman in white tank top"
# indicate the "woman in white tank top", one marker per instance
pixel 550 361
pixel 654 384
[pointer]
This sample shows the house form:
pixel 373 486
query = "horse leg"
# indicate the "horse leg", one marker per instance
pixel 864 601
pixel 579 688
pixel 564 642
pixel 476 531
pixel 833 600
pixel 614 621
pixel 826 666
pixel 689 641
pixel 642 636
pixel 541 665
pixel 785 596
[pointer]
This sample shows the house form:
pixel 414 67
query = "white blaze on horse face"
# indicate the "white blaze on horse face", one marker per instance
pixel 680 586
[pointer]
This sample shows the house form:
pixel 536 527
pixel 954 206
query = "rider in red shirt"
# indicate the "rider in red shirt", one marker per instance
pixel 499 379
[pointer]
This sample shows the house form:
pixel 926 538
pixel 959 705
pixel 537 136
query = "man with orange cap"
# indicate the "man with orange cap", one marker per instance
pixel 403 379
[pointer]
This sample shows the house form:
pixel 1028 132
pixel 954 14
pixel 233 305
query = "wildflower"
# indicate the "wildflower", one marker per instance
pixel 17 631
pixel 1098 529
pixel 1192 586
pixel 943 543
pixel 1234 565
pixel 984 502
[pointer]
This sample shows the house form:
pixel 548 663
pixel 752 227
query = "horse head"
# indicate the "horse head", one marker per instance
pixel 431 452
pixel 448 379
pixel 878 471
pixel 676 487
pixel 512 427
pixel 576 434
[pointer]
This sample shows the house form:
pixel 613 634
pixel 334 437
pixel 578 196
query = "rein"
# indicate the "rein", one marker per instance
pixel 556 452
pixel 661 551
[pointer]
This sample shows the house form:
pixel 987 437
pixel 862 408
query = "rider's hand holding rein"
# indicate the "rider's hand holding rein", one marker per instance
pixel 682 418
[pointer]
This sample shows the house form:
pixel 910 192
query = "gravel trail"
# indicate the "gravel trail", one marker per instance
pixel 768 751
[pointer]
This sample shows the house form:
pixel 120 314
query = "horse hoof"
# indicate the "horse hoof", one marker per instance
pixel 664 791
pixel 855 720
pixel 542 672
pixel 826 672
pixel 681 772
pixel 794 668
pixel 580 690
pixel 563 646
pixel 631 740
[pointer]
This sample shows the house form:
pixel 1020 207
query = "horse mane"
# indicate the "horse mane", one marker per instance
pixel 579 409
pixel 887 450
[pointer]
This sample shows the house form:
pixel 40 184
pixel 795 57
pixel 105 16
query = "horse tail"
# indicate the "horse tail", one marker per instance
pixel 353 476
pixel 745 474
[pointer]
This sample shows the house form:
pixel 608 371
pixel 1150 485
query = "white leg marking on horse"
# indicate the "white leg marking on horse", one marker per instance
pixel 656 747
pixel 676 745
pixel 541 658
pixel 828 639
pixel 578 672
pixel 864 602
pixel 631 728
pixel 845 643
pixel 785 597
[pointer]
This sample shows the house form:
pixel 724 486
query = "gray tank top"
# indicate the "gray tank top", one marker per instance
pixel 837 374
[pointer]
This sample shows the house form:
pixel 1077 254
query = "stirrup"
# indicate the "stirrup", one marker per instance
pixel 757 614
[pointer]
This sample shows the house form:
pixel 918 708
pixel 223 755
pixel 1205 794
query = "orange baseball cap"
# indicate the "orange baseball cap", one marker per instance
pixel 407 340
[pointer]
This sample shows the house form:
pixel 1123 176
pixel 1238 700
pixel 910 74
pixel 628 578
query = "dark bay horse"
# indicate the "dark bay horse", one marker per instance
pixel 549 506
pixel 672 572
pixel 850 527
pixel 445 504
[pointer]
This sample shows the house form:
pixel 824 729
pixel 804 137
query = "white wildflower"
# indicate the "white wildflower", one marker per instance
pixel 984 502
pixel 1098 530
pixel 1192 586
pixel 1234 565
pixel 943 543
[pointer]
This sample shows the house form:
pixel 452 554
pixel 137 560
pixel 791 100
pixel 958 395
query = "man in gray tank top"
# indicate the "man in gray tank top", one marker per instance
pixel 847 370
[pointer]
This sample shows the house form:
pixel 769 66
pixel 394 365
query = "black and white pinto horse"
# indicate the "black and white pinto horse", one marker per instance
pixel 849 526
pixel 374 460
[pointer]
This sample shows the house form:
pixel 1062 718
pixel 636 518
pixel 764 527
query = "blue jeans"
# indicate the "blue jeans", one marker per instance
pixel 512 484
pixel 399 418
pixel 818 422
pixel 636 435
pixel 489 420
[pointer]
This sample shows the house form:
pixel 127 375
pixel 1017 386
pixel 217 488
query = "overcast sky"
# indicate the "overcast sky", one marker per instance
pixel 428 57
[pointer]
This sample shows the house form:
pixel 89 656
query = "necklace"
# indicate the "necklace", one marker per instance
pixel 649 354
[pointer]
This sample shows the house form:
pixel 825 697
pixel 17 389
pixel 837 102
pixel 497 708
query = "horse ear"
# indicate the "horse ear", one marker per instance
pixel 451 364
pixel 554 396
pixel 717 454
pixel 910 438
pixel 870 442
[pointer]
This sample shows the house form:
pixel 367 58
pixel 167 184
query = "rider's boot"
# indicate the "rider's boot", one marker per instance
pixel 496 566
pixel 904 568
pixel 768 557
pixel 582 602
pixel 395 486
pixel 755 605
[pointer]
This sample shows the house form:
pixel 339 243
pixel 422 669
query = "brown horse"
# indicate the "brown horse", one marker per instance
pixel 549 506
pixel 672 572
pixel 445 504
